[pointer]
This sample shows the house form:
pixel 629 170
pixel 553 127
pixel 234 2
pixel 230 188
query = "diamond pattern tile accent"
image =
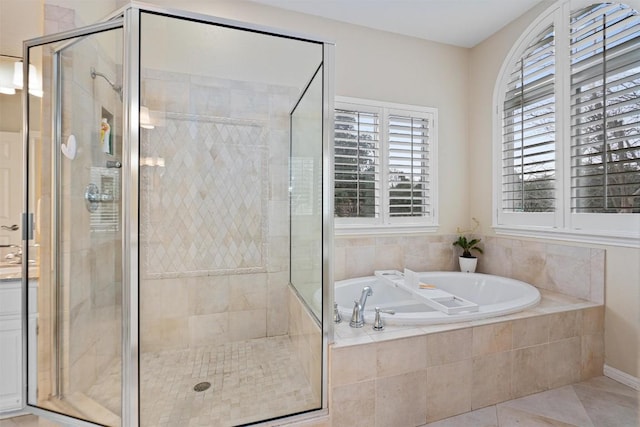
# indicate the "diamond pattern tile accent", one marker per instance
pixel 206 210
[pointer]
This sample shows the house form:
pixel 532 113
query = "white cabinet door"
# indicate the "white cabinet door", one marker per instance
pixel 10 365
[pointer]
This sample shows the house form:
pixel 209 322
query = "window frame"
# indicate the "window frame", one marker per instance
pixel 617 229
pixel 385 224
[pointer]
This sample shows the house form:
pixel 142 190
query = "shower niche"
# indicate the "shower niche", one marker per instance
pixel 191 292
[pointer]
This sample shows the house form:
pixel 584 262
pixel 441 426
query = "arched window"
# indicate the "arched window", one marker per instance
pixel 568 124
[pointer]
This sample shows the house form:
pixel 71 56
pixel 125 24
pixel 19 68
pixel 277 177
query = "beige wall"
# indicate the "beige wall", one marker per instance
pixel 622 271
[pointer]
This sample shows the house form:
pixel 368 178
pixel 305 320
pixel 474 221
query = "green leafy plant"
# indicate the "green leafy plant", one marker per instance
pixel 467 244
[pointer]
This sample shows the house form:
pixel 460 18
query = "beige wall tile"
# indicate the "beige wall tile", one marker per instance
pixel 491 379
pixel 592 356
pixel 449 390
pixel 247 291
pixel 388 257
pixel 597 272
pixel 163 334
pixel 247 324
pixel 401 400
pixel 593 320
pixel 360 261
pixel 354 405
pixel 565 361
pixel 530 331
pixel 494 338
pixel 207 294
pixel 163 299
pixel 352 364
pixel 400 356
pixel 208 329
pixel 449 347
pixel 530 374
pixel 566 324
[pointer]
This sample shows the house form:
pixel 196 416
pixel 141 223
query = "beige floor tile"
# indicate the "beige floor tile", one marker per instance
pixel 485 417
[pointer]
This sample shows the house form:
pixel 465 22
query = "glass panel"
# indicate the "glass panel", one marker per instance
pixel 74 192
pixel 306 196
pixel 215 304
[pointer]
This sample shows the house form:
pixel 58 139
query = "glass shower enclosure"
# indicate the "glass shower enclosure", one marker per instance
pixel 178 199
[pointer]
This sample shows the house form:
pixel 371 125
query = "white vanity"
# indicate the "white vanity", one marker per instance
pixel 11 351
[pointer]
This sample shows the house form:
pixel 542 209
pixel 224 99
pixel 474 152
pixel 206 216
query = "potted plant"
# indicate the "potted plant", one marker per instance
pixel 467 260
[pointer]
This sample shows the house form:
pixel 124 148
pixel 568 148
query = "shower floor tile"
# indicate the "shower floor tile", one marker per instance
pixel 250 381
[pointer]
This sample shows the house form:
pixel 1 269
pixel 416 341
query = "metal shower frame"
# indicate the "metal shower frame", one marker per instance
pixel 128 18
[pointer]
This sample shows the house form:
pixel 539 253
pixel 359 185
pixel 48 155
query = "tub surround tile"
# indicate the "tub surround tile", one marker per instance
pixel 593 320
pixel 530 331
pixel 400 400
pixel 397 357
pixel 448 347
pixel 352 365
pixel 354 404
pixel 592 361
pixel 565 362
pixel 565 325
pixel 491 379
pixel 393 332
pixel 449 390
pixel 529 370
pixel 493 338
pixel 485 362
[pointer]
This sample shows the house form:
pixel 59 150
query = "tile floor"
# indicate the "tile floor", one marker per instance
pixel 599 402
pixel 250 381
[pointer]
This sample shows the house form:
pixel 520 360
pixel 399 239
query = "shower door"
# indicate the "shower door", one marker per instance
pixel 75 186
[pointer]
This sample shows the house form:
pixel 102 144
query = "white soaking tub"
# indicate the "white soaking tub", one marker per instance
pixel 436 297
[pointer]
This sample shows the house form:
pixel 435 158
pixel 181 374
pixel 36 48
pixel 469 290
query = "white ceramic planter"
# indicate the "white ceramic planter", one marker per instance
pixel 468 265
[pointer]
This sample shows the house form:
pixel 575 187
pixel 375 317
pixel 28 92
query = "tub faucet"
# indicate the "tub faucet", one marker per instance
pixel 357 317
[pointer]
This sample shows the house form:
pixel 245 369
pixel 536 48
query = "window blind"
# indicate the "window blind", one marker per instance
pixel 408 166
pixel 356 161
pixel 605 109
pixel 528 130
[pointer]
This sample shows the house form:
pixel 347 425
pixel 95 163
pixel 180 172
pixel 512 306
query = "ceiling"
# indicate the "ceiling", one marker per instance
pixel 462 23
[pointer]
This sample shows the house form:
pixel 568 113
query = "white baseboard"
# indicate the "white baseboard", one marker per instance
pixel 622 377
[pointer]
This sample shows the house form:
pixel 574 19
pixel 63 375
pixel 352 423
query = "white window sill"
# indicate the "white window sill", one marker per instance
pixel 383 230
pixel 581 236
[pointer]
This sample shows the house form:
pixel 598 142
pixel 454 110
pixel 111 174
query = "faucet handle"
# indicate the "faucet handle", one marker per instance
pixel 336 314
pixel 378 323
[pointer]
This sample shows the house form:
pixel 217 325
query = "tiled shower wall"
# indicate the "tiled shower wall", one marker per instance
pixel 214 211
pixel 575 271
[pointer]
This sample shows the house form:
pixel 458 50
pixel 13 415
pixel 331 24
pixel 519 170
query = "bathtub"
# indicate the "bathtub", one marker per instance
pixel 482 296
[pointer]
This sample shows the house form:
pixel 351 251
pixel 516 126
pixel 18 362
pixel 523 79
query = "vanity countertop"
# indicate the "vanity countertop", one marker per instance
pixel 13 272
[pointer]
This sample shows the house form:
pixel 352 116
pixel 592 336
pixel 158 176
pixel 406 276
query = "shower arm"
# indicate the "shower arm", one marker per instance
pixel 116 87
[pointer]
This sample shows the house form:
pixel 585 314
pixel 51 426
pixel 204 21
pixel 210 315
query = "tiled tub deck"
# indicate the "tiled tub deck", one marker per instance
pixel 409 376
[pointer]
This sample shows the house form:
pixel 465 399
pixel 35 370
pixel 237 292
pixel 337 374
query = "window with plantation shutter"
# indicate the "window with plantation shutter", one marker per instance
pixel 528 147
pixel 568 163
pixel 356 164
pixel 408 164
pixel 605 110
pixel 384 163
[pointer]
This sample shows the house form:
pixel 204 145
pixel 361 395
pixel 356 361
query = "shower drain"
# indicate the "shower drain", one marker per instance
pixel 202 386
